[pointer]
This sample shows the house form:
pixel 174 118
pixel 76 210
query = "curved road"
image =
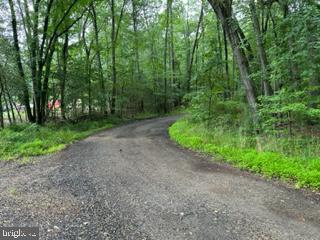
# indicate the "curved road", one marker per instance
pixel 132 182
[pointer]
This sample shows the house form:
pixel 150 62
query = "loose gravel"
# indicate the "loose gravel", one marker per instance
pixel 132 182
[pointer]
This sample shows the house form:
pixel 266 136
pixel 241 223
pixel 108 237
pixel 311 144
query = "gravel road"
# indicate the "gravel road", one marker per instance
pixel 132 182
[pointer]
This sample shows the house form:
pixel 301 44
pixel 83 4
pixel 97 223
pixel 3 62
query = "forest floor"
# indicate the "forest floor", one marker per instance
pixel 133 182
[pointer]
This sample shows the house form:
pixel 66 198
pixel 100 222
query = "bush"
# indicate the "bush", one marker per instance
pixel 207 106
pixel 285 111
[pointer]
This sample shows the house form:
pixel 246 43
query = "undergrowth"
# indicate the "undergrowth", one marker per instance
pixel 28 140
pixel 273 158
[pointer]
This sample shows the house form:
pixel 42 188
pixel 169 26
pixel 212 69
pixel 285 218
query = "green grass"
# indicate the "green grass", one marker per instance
pixel 304 171
pixel 23 141
pixel 27 140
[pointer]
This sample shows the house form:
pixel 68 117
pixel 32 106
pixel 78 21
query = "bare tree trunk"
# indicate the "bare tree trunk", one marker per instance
pixel 113 53
pixel 88 65
pixel 195 44
pixel 114 36
pixel 1 111
pixel 261 50
pixel 88 71
pixel 25 94
pixel 35 71
pixel 5 102
pixel 223 11
pixel 173 59
pixel 18 111
pixel 44 93
pixel 188 55
pixel 10 101
pixel 10 104
pixel 1 107
pixel 219 51
pixel 226 59
pixel 137 70
pixel 98 46
pixel 64 74
pixel 165 72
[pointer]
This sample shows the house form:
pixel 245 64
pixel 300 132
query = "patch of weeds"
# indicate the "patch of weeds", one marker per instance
pixel 27 140
pixel 13 191
pixel 304 171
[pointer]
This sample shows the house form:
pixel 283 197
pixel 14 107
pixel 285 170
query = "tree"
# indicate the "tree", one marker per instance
pixel 25 90
pixel 194 47
pixel 223 9
pixel 64 74
pixel 261 50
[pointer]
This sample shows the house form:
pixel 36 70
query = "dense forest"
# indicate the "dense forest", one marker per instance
pixel 74 58
pixel 248 69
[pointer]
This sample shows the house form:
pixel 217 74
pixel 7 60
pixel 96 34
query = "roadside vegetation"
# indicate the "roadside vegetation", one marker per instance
pixel 295 159
pixel 26 140
pixel 249 71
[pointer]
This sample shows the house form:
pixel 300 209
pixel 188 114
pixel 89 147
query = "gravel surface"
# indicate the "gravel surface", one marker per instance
pixel 132 182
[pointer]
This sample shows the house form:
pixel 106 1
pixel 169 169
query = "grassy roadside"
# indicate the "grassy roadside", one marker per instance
pixel 28 140
pixel 304 172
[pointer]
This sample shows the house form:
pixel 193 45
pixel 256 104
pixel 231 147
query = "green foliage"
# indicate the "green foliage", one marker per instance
pixel 286 109
pixel 27 140
pixel 32 140
pixel 241 152
pixel 208 106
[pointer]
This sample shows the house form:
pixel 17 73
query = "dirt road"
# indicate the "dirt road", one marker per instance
pixel 132 182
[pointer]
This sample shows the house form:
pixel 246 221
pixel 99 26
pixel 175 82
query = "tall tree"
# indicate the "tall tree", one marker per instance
pixel 194 47
pixel 24 86
pixel 114 36
pixel 223 10
pixel 165 58
pixel 1 107
pixel 103 101
pixel 64 74
pixel 261 49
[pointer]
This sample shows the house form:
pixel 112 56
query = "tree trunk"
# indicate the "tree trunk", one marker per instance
pixel 195 44
pixel 44 92
pixel 10 104
pixel 1 107
pixel 5 102
pixel 103 101
pixel 64 75
pixel 219 49
pixel 172 58
pixel 25 91
pixel 137 70
pixel 113 53
pixel 87 65
pixel 223 11
pixel 36 74
pixel 1 111
pixel 261 50
pixel 165 72
pixel 226 59
pixel 18 111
